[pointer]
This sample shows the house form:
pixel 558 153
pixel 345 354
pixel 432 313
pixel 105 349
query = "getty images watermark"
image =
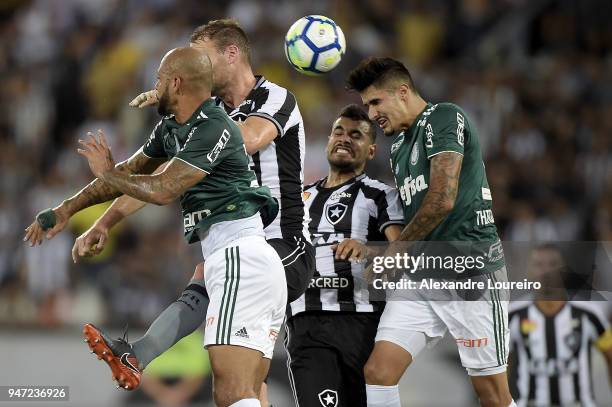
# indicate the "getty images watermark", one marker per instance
pixel 421 263
pixel 442 271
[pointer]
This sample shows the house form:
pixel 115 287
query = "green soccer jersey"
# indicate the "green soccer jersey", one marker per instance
pixel 211 142
pixel 444 127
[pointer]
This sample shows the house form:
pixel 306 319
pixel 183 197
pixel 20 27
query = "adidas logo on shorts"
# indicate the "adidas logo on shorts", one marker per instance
pixel 242 332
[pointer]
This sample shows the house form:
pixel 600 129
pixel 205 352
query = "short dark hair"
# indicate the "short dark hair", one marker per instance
pixel 378 72
pixel 223 33
pixel 356 113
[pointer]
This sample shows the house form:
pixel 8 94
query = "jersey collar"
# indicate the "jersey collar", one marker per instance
pixel 199 113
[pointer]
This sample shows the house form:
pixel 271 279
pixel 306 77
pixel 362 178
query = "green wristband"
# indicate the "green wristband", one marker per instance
pixel 46 219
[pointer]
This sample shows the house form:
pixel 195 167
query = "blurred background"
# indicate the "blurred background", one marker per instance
pixel 534 75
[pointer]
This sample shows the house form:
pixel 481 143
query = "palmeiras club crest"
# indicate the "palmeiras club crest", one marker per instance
pixel 335 212
pixel 328 398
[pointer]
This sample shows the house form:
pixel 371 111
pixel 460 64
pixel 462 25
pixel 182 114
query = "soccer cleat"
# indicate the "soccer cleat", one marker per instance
pixel 118 355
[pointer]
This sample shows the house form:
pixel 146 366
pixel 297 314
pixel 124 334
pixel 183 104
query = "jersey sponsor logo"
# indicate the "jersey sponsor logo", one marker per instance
pixel 472 343
pixel 460 128
pixel 221 143
pixel 411 187
pixel 328 282
pixel 484 217
pixel 340 195
pixel 328 398
pixel 429 136
pixel 414 157
pixel 335 212
pixel 323 239
pixel 192 219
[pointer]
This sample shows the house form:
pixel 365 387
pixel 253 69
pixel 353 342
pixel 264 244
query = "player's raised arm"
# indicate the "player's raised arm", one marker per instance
pixel 160 189
pixel 52 221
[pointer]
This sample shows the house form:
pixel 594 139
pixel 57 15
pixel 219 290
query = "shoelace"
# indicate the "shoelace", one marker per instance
pixel 125 334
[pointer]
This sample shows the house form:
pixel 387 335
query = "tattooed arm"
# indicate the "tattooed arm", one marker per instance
pixel 99 191
pixel 94 193
pixel 439 199
pixel 160 189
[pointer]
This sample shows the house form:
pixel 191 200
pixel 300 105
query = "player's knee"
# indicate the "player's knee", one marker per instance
pixel 378 373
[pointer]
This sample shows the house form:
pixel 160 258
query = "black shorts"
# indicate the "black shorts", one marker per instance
pixel 298 258
pixel 326 353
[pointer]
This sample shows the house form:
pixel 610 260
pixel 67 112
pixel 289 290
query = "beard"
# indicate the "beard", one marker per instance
pixel 342 165
pixel 163 105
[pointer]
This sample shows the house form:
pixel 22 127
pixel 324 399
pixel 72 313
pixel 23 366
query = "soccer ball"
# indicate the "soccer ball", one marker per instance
pixel 314 45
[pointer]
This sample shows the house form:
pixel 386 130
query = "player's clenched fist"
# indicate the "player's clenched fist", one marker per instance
pixel 48 222
pixel 145 99
pixel 90 243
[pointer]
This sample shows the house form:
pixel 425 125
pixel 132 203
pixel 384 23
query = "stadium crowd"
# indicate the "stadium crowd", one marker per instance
pixel 536 76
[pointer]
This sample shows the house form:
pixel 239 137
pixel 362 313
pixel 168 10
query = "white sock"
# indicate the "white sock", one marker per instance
pixel 383 396
pixel 246 403
pixel 513 404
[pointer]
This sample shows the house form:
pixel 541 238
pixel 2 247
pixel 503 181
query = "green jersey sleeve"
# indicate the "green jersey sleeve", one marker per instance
pixel 444 131
pixel 207 145
pixel 154 147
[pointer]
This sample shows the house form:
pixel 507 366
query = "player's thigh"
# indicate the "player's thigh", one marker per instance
pixel 298 259
pixel 480 329
pixel 313 367
pixel 355 344
pixel 247 290
pixel 410 323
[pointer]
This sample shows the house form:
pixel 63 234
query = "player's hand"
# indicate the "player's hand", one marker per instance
pixel 98 154
pixel 145 99
pixel 90 243
pixel 47 223
pixel 350 249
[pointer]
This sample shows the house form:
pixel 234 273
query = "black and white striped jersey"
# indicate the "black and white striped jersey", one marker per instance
pixel 551 356
pixel 279 165
pixel 360 209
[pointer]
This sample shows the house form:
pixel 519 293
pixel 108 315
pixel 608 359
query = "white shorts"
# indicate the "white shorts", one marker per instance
pixel 246 285
pixel 480 328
